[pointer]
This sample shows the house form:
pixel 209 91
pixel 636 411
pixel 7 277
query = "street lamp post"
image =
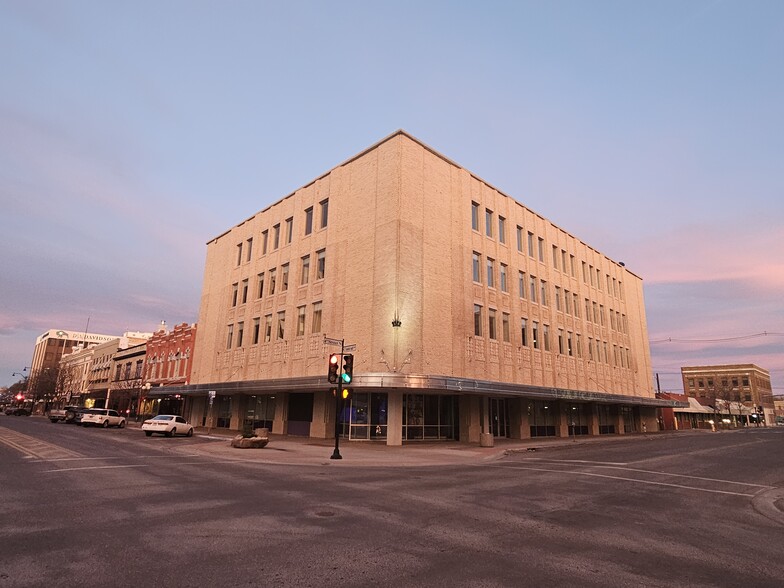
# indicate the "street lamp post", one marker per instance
pixel 146 387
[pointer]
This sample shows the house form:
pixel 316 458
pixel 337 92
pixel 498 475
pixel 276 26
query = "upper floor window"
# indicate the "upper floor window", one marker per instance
pixel 519 238
pixel 300 321
pixel 491 324
pixel 324 206
pixel 281 324
pixel 475 271
pixel 235 288
pixel 272 279
pixel 256 329
pixel 488 222
pixel 260 285
pixel 229 336
pixel 276 236
pixel 264 239
pixel 530 244
pixel 321 264
pixel 541 249
pixel 490 273
pixel 289 230
pixel 474 216
pixel 244 291
pixel 501 229
pixel 305 276
pixel 308 220
pixel 284 277
pixel 477 320
pixel 503 278
pixel 239 253
pixel 249 249
pixel 316 322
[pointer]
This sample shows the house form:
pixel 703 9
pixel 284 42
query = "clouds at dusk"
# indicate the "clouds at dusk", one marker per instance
pixel 131 134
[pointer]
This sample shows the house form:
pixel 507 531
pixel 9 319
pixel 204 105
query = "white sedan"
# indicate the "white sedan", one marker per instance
pixel 103 417
pixel 167 424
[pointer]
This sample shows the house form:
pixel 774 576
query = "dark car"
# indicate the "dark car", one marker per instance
pixel 20 411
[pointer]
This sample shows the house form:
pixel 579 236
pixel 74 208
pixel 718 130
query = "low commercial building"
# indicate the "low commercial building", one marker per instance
pixel 468 315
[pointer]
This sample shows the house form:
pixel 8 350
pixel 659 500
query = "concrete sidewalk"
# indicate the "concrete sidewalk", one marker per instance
pixel 287 450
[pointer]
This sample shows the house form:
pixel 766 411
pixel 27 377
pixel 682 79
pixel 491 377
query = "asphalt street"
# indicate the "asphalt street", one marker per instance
pixel 94 507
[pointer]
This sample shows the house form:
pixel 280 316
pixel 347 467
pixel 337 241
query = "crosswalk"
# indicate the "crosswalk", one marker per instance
pixel 34 448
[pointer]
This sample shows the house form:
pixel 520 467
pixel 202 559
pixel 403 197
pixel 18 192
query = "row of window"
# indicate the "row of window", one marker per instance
pixel 284 233
pixel 262 331
pixel 278 281
pixel 562 260
pixel 537 291
pixel 724 383
pixel 537 335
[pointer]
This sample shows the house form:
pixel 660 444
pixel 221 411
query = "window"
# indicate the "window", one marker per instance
pixel 490 273
pixel 256 330
pixel 535 334
pixel 590 349
pixel 532 288
pixel 264 239
pixel 276 236
pixel 544 292
pixel 475 271
pixel 260 285
pixel 578 342
pixel 308 220
pixel 524 331
pixel 564 268
pixel 321 261
pixel 561 342
pixel 555 257
pixel 569 343
pixel 546 337
pixel 521 284
pixel 519 238
pixel 571 266
pixel 289 229
pixel 501 229
pixel 491 324
pixel 477 320
pixel 281 324
pixel 244 291
pixel 230 336
pixel 474 216
pixel 300 321
pixel 324 206
pixel 502 278
pixel 267 328
pixel 239 253
pixel 505 326
pixel 557 298
pixel 530 244
pixel 234 293
pixel 541 249
pixel 284 277
pixel 240 332
pixel 601 314
pixel 272 278
pixel 567 302
pixel 316 323
pixel 595 312
pixel 576 306
pixel 745 382
pixel 598 279
pixel 585 273
pixel 609 283
pixel 305 274
pixel 249 248
pixel 488 222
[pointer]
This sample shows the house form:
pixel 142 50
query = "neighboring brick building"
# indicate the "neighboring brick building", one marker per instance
pixel 746 384
pixel 473 317
pixel 169 362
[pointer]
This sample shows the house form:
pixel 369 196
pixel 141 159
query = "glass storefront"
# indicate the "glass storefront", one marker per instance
pixel 430 417
pixel 606 420
pixel 222 409
pixel 499 417
pixel 364 416
pixel 578 415
pixel 260 411
pixel 627 412
pixel 542 418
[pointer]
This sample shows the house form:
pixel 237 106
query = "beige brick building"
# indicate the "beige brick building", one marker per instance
pixel 473 317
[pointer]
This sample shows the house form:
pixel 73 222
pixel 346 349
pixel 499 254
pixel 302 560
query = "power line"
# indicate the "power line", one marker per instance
pixel 721 340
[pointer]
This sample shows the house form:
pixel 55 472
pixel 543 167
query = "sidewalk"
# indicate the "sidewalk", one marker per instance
pixel 288 450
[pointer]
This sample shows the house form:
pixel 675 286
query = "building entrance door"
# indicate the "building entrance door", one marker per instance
pixel 499 417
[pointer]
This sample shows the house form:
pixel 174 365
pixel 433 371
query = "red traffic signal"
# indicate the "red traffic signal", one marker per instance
pixel 334 366
pixel 20 396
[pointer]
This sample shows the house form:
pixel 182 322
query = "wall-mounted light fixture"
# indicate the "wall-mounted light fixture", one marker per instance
pixel 396 321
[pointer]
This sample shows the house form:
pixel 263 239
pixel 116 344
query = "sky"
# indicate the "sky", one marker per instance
pixel 131 133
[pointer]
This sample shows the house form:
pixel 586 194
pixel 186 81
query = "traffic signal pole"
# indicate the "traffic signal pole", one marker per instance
pixel 338 398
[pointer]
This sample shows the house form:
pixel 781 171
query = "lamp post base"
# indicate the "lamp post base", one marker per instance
pixel 336 455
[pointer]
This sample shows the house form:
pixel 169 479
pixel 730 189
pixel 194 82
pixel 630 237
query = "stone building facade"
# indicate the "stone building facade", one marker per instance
pixel 472 316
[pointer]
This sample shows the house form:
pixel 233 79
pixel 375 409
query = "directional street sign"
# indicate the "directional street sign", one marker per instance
pixel 329 341
pixel 350 348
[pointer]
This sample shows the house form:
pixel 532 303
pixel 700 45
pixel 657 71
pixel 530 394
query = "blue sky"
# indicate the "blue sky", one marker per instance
pixel 133 132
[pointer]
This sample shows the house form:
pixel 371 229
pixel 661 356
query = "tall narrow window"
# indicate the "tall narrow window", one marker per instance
pixel 267 328
pixel 569 343
pixel 503 278
pixel 488 222
pixel 272 279
pixel 546 337
pixel 239 253
pixel 475 269
pixel 561 342
pixel 535 334
pixel 284 277
pixel 305 274
pixel 276 236
pixel 524 331
pixel 308 220
pixel 519 238
pixel 555 257
pixel 557 298
pixel 230 336
pixel 324 206
pixel 474 216
pixel 235 288
pixel 300 321
pixel 321 262
pixel 477 320
pixel 244 291
pixel 240 332
pixel 501 229
pixel 281 324
pixel 530 244
pixel 521 284
pixel 505 327
pixel 532 287
pixel 264 240
pixel 289 229
pixel 249 247
pixel 490 273
pixel 541 249
pixel 491 324
pixel 567 302
pixel 316 324
pixel 256 329
pixel 576 305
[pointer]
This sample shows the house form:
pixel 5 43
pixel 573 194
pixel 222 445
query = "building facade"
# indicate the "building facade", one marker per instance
pixel 747 386
pixel 168 363
pixel 471 317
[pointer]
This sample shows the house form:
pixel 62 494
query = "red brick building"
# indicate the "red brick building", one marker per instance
pixel 168 363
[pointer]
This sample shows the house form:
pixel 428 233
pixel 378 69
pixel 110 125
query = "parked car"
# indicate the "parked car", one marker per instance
pixel 167 424
pixel 104 417
pixel 19 411
pixel 69 414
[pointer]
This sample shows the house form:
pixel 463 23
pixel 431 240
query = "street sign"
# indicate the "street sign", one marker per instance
pixel 350 348
pixel 336 342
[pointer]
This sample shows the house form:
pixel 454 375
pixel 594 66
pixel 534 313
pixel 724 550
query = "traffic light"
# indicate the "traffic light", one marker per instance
pixel 334 364
pixel 20 396
pixel 348 368
pixel 346 393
